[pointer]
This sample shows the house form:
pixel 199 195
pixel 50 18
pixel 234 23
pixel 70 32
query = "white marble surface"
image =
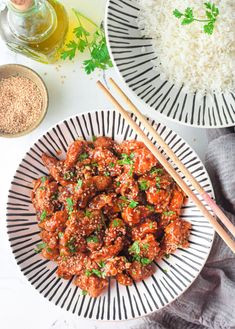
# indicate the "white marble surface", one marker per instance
pixel 21 306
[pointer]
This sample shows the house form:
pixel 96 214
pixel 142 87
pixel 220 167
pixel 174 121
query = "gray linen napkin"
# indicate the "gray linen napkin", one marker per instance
pixel 210 301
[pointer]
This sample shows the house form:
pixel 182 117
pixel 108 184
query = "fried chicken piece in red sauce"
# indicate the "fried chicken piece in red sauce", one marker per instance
pixel 107 210
pixel 147 226
pixel 55 222
pixel 116 265
pixel 176 235
pixel 133 216
pixel 139 272
pixel 72 265
pixel 75 149
pixel 91 284
pixel 43 196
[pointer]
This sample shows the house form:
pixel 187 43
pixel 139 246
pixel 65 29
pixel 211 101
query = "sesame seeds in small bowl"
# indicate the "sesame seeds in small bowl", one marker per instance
pixel 23 100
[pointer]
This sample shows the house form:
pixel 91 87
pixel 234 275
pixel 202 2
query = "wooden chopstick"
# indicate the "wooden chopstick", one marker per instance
pixel 218 228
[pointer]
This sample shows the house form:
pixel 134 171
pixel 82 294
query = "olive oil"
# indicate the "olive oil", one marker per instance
pixel 37 30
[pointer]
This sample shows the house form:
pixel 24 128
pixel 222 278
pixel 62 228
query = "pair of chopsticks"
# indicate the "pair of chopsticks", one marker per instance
pixel 169 168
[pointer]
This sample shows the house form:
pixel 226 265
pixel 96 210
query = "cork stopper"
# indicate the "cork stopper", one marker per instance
pixel 22 5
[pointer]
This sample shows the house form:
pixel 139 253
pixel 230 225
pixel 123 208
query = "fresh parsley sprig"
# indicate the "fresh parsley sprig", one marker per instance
pixel 211 13
pixel 95 43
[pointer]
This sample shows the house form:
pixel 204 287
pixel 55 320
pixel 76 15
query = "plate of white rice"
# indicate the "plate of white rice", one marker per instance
pixel 177 69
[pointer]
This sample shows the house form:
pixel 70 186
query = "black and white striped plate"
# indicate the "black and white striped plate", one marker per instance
pixel 173 275
pixel 133 56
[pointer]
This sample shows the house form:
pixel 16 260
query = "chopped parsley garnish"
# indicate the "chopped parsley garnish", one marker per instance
pixel 83 292
pixel 79 183
pixel 111 164
pixel 130 173
pixel 118 184
pixel 116 222
pixel 144 185
pixel 135 248
pixel 158 182
pixel 156 171
pixel 106 173
pixel 60 235
pixel 133 204
pixel 151 208
pixel 93 239
pixel 71 245
pixel 39 247
pixel 151 225
pixel 94 138
pixel 145 246
pixel 87 213
pixel 126 159
pixel 94 164
pixel 145 261
pixel 42 188
pixel 69 205
pixel 43 215
pixel 169 213
pixel 83 156
pixel 164 270
pixel 68 175
pixel 43 179
pixel 95 272
pixel 101 264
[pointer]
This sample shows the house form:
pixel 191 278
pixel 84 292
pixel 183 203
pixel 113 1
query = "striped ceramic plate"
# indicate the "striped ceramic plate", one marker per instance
pixel 173 275
pixel 133 56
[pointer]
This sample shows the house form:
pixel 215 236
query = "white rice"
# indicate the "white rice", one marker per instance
pixel 186 54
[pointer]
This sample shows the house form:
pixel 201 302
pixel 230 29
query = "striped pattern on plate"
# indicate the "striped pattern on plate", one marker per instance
pixel 173 275
pixel 133 56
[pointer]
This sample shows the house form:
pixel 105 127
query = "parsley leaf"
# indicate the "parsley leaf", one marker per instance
pixel 93 239
pixel 126 159
pixel 133 204
pixel 95 43
pixel 39 247
pixel 71 245
pixel 87 213
pixel 43 179
pixel 69 205
pixel 144 185
pixel 169 213
pixel 135 248
pixel 79 183
pixel 188 17
pixel 116 222
pixel 83 156
pixel 83 292
pixel 43 215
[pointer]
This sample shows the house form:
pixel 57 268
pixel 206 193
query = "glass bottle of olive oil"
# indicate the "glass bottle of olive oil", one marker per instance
pixel 35 28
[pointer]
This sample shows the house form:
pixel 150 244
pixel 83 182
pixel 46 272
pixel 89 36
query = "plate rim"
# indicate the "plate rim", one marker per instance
pixel 106 19
pixel 26 276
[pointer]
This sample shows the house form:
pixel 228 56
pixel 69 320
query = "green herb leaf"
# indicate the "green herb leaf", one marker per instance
pixel 145 261
pixel 169 213
pixel 101 264
pixel 133 204
pixel 106 173
pixel 111 164
pixel 116 222
pixel 135 248
pixel 177 13
pixel 93 239
pixel 87 213
pixel 70 204
pixel 43 179
pixel 126 159
pixel 94 138
pixel 39 247
pixel 43 215
pixel 158 182
pixel 71 245
pixel 211 15
pixel 60 235
pixel 79 183
pixel 144 185
pixel 83 292
pixel 83 156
